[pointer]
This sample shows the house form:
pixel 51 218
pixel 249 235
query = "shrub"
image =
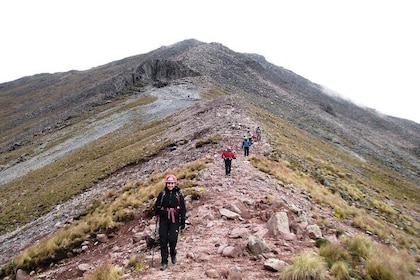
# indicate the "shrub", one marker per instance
pixel 340 271
pixel 105 271
pixel 376 269
pixel 334 252
pixel 396 264
pixel 305 267
pixel 359 246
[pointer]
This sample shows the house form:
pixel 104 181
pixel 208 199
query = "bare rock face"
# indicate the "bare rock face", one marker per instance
pixel 163 71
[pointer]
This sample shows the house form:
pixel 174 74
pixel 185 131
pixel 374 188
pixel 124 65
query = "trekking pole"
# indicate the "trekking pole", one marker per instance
pixel 153 254
pixel 154 243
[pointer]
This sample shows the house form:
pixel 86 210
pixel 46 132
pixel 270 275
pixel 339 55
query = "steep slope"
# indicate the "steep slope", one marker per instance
pixel 208 231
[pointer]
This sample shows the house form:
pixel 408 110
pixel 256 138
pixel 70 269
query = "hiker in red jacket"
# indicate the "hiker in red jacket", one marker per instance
pixel 227 156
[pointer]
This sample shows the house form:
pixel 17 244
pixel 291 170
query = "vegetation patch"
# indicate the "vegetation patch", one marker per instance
pixel 305 266
pixel 105 215
pixel 59 181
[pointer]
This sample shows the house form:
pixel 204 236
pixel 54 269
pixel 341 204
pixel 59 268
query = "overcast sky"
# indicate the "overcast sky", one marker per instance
pixel 366 51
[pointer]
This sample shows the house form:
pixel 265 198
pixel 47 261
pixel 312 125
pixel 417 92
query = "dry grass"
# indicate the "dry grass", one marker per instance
pixel 343 182
pixel 105 215
pixel 305 267
pixel 358 256
pixel 60 180
pixel 214 93
pixel 106 271
pixel 340 271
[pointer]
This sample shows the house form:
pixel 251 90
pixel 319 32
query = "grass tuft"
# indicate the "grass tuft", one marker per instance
pixel 106 271
pixel 305 267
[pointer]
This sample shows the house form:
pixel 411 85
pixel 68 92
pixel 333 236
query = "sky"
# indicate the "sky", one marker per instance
pixel 365 51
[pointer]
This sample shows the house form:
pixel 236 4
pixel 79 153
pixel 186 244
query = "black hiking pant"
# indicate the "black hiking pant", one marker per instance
pixel 228 166
pixel 168 234
pixel 246 151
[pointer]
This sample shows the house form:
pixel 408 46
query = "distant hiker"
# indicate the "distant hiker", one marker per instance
pixel 227 156
pixel 249 136
pixel 259 132
pixel 170 210
pixel 245 145
pixel 254 137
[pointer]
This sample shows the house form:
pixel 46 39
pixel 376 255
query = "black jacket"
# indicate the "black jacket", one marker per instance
pixel 170 199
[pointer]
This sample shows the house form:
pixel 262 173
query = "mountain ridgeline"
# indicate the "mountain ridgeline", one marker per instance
pixel 36 104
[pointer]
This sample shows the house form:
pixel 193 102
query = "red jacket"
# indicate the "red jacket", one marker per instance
pixel 228 154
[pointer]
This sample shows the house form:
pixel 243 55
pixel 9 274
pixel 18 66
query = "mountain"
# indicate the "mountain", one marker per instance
pixel 68 138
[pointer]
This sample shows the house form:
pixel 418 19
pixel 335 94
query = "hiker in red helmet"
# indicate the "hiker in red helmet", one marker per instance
pixel 227 156
pixel 170 210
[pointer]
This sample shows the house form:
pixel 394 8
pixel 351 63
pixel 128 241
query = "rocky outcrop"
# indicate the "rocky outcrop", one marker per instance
pixel 163 70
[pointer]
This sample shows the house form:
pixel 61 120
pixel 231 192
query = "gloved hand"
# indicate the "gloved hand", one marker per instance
pixel 182 226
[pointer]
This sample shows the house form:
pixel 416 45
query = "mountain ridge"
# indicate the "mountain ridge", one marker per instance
pixel 261 81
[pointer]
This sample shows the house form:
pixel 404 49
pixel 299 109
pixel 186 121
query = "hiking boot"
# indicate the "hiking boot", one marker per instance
pixel 163 266
pixel 173 259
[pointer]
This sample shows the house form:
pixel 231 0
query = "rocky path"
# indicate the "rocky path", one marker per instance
pixel 200 247
pixel 207 232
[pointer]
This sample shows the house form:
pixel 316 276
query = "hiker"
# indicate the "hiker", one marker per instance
pixel 249 135
pixel 245 145
pixel 259 132
pixel 254 137
pixel 170 211
pixel 227 156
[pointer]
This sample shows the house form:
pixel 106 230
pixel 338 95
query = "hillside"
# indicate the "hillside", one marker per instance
pixel 124 124
pixel 248 190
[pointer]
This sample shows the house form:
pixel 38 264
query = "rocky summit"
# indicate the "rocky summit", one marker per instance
pixel 89 149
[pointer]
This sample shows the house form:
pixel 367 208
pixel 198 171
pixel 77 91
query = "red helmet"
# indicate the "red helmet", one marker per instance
pixel 171 179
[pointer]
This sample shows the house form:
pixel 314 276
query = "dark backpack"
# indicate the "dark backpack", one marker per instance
pixel 177 194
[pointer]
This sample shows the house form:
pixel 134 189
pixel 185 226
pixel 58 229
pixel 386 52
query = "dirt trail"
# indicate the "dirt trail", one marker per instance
pixel 208 231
